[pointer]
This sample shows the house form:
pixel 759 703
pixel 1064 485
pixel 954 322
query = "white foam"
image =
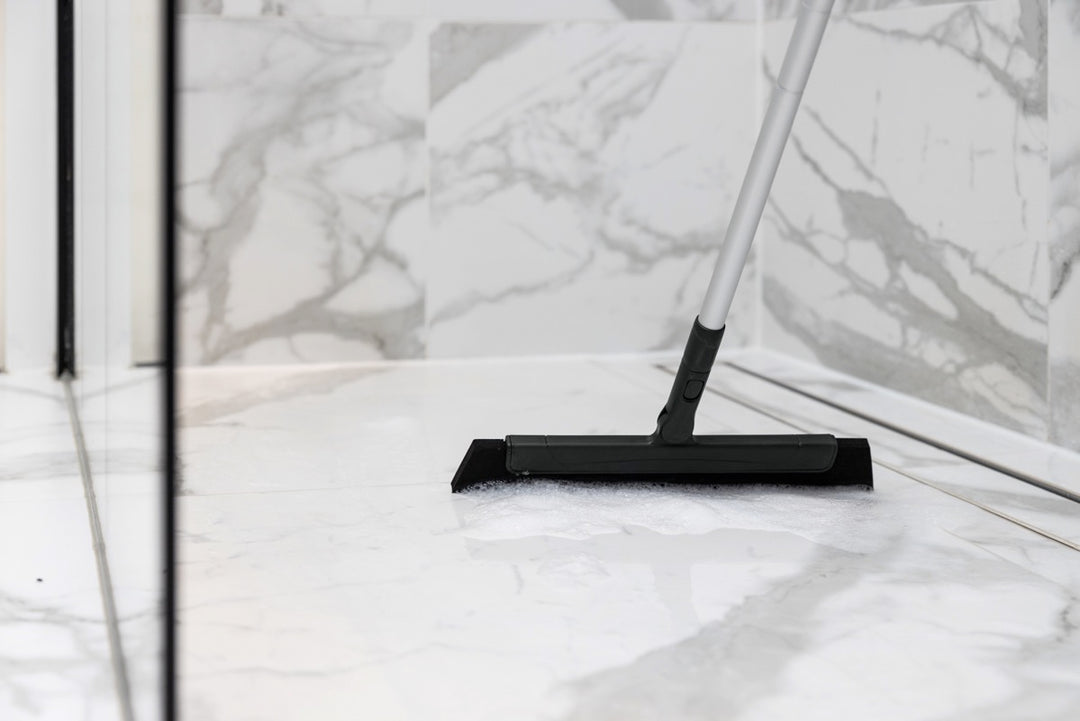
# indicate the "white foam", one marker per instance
pixel 566 510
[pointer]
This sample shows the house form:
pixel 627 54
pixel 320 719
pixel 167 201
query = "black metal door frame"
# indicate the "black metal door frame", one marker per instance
pixel 65 188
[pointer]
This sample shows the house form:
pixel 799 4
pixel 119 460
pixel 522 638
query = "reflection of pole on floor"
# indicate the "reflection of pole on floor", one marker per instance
pixel 775 129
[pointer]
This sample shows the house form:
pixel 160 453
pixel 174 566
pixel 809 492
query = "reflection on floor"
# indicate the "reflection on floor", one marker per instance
pixel 327 572
pixel 120 413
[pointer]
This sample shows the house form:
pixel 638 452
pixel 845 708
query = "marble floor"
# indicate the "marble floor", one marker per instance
pixel 54 649
pixel 68 650
pixel 120 413
pixel 327 572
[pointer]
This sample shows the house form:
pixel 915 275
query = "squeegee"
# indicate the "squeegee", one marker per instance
pixel 672 453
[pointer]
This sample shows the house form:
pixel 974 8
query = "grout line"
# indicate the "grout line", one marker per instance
pixel 108 600
pixel 1004 516
pixel 927 440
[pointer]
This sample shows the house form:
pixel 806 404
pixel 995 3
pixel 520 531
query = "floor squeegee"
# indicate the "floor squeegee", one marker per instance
pixel 673 454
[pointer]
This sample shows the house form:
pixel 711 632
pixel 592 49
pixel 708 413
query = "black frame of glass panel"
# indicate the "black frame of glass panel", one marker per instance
pixel 169 462
pixel 65 188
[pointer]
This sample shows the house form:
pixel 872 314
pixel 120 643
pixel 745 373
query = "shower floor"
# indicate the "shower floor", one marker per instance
pixel 54 643
pixel 326 571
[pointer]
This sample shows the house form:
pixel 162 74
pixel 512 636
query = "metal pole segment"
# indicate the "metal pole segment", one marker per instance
pixel 775 129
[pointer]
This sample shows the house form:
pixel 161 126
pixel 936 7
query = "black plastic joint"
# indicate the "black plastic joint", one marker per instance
pixel 675 425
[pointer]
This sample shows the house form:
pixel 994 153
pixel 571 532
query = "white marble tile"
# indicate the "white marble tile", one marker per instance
pixel 484 10
pixel 270 8
pixel 774 9
pixel 132 519
pixel 303 213
pixel 905 239
pixel 54 649
pixel 1064 233
pixel 581 179
pixel 336 577
pixel 122 417
pixel 398 602
pixel 529 11
pixel 36 443
pixel 121 413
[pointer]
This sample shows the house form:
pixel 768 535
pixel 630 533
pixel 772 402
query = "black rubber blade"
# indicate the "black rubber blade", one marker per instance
pixel 793 460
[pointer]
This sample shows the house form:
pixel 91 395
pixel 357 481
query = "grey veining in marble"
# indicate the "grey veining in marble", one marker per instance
pixel 1064 235
pixel 487 10
pixel 300 8
pixel 202 7
pixel 581 179
pixel 905 236
pixel 303 210
pixel 772 9
pixel 530 10
pixel 743 665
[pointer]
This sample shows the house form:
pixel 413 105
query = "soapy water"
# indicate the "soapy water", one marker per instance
pixel 840 517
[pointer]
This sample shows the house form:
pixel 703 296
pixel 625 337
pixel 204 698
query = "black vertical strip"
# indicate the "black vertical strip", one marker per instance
pixel 168 154
pixel 65 188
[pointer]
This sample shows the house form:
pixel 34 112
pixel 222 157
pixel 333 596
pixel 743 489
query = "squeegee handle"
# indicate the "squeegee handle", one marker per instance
pixel 775 129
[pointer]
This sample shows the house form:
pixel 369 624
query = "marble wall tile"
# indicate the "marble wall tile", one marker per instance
pixel 581 179
pixel 487 10
pixel 530 10
pixel 905 237
pixel 353 8
pixel 303 208
pixel 1064 236
pixel 775 9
